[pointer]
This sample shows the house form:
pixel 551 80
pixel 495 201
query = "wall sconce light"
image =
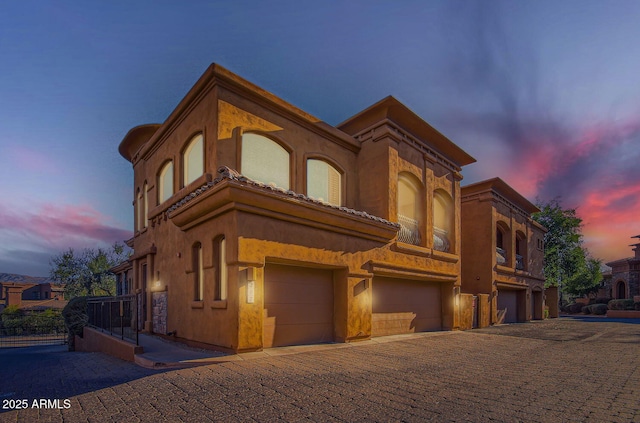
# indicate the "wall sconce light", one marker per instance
pixel 251 285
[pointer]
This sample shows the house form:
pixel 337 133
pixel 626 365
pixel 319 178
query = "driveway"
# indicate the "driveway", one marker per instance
pixel 560 370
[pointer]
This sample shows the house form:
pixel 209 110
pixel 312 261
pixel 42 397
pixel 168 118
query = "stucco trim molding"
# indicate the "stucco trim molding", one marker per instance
pixel 394 271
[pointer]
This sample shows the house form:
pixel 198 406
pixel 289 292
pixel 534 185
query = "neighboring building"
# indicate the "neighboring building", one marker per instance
pixel 258 225
pixel 623 281
pixel 502 251
pixel 29 292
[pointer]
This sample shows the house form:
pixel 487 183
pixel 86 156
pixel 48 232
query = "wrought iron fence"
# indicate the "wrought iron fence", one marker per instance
pixel 32 328
pixel 441 240
pixel 409 230
pixel 501 256
pixel 115 315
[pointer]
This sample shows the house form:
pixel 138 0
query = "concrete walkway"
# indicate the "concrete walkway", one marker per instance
pixel 161 354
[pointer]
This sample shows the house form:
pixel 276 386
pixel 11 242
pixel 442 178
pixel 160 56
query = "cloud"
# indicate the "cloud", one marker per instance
pixel 592 165
pixel 25 262
pixel 50 230
pixel 32 160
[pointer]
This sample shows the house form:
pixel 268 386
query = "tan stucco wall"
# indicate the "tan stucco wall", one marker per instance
pixel 262 228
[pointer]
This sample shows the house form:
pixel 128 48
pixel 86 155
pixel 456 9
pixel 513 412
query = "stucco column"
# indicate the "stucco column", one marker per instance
pixel 352 305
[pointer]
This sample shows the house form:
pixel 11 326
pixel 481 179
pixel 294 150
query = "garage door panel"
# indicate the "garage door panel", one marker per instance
pixel 305 293
pixel 298 306
pixel 287 314
pixel 307 334
pixel 403 306
pixel 508 301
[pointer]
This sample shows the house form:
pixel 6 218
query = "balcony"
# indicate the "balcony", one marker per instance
pixel 501 256
pixel 409 230
pixel 440 240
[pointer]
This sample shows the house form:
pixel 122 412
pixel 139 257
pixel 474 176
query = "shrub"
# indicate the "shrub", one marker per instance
pixel 621 304
pixel 75 318
pixel 575 308
pixel 603 300
pixel 636 306
pixel 597 309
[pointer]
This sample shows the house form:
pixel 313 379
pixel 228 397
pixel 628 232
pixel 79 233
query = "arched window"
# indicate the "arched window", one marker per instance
pixel 264 160
pixel 145 207
pixel 198 272
pixel 139 210
pixel 521 250
pixel 409 209
pixel 220 259
pixel 501 247
pixel 165 182
pixel 323 182
pixel 193 159
pixel 443 221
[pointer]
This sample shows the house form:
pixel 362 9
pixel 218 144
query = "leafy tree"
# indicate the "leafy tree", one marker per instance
pixel 567 264
pixel 87 272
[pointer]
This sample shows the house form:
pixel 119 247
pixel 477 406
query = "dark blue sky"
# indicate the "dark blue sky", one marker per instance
pixel 544 94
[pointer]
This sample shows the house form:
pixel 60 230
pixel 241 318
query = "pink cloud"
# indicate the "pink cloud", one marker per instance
pixel 593 169
pixel 60 227
pixel 32 160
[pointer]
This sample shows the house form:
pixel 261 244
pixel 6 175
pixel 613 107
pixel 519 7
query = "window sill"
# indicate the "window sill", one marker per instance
pixel 416 250
pixel 197 304
pixel 219 304
pixel 441 255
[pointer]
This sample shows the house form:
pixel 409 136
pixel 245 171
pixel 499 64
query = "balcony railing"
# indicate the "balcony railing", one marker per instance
pixel 409 230
pixel 501 256
pixel 116 315
pixel 519 262
pixel 440 240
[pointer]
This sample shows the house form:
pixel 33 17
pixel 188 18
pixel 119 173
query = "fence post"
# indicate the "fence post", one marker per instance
pixel 137 323
pixel 122 319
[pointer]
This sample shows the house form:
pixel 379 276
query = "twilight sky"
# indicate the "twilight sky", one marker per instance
pixel 544 94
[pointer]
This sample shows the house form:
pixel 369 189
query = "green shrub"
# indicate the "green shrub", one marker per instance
pixel 602 300
pixel 575 308
pixel 621 304
pixel 75 318
pixel 597 309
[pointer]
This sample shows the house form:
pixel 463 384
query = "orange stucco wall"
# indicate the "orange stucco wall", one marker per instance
pixel 263 226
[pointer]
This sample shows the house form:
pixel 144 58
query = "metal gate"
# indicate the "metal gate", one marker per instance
pixel 32 328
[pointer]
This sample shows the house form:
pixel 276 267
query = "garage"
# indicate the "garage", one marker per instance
pixel 298 306
pixel 405 306
pixel 508 304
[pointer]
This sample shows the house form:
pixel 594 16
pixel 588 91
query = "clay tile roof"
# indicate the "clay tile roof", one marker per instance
pixel 232 175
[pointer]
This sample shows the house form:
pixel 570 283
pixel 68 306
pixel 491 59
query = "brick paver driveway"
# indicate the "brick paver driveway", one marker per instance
pixel 552 371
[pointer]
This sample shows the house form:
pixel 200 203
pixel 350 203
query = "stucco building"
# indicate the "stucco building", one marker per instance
pixel 502 252
pixel 30 293
pixel 624 279
pixel 258 225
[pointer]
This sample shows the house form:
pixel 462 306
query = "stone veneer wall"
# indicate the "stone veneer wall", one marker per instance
pixel 159 301
pixel 632 279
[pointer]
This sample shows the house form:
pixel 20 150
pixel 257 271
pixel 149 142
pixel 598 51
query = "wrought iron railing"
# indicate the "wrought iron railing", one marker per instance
pixel 501 256
pixel 32 328
pixel 409 230
pixel 440 240
pixel 116 315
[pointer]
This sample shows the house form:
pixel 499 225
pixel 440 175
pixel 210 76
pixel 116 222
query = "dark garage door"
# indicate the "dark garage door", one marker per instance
pixel 405 306
pixel 298 306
